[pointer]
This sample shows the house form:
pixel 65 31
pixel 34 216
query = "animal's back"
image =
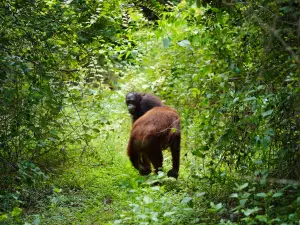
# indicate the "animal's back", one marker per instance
pixel 158 121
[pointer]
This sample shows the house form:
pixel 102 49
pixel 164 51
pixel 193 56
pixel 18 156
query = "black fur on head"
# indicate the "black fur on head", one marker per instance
pixel 139 103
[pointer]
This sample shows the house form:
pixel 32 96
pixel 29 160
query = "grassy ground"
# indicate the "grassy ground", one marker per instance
pixel 87 194
pixel 97 194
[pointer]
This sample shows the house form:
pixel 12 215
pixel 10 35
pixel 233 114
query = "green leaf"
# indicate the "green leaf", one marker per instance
pixel 248 212
pixel 37 220
pixel 142 216
pixel 277 194
pixel 250 99
pixel 237 70
pixel 234 195
pixel 16 211
pixel 195 92
pixel 258 162
pixel 243 201
pixel 246 195
pixel 200 194
pixel 185 43
pixel 135 16
pixel 198 153
pixel 134 53
pixel 205 148
pixel 54 200
pixel 168 214
pixel 261 195
pixel 155 188
pixel 186 200
pixel 241 187
pixel 3 217
pixel 262 218
pixel 154 217
pixel 267 113
pixel 235 100
pixel 218 206
pixel 166 42
pixel 147 200
pixel 261 87
pixel 298 200
pixel 160 174
pixel 215 10
pixel 57 190
pixel 96 130
pixel 270 132
pixel 88 137
pixel 173 130
pixel 286 9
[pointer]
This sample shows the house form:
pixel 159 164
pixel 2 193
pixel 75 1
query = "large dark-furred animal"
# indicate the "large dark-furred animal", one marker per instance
pixel 154 131
pixel 139 103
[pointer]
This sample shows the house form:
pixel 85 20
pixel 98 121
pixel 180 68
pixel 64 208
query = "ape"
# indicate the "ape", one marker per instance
pixel 139 103
pixel 156 130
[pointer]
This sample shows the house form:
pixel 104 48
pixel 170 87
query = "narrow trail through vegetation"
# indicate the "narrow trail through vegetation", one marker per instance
pixel 98 190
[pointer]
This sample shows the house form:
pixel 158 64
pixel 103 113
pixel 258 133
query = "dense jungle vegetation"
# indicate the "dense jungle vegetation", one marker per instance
pixel 229 67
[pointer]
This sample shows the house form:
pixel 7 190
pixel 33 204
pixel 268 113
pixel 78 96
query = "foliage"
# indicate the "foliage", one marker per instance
pixel 153 205
pixel 237 99
pixel 46 46
pixel 255 207
pixel 162 212
pixel 230 69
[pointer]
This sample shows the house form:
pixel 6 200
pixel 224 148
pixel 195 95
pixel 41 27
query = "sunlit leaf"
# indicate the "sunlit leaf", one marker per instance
pixel 185 43
pixel 168 214
pixel 261 195
pixel 250 99
pixel 147 200
pixel 248 212
pixel 241 187
pixel 3 217
pixel 200 194
pixel 234 195
pixel 57 190
pixel 277 194
pixel 186 200
pixel 16 211
pixel 267 113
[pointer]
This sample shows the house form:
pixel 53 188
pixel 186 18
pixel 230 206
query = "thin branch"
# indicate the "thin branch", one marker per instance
pixel 275 33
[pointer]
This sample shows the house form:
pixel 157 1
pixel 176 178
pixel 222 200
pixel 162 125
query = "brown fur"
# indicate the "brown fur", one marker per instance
pixel 156 130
